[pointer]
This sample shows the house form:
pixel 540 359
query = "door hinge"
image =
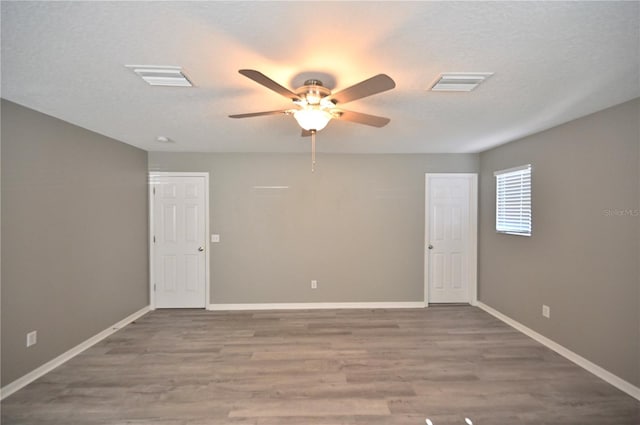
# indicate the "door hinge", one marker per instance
pixel 154 287
pixel 154 190
pixel 154 239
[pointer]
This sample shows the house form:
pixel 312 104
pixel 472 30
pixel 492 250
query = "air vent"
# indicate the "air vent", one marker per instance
pixel 460 81
pixel 168 76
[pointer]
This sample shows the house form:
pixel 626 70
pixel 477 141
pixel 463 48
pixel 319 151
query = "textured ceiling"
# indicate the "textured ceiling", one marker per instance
pixel 553 62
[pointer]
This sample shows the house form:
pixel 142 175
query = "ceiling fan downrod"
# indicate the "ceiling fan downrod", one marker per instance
pixel 313 150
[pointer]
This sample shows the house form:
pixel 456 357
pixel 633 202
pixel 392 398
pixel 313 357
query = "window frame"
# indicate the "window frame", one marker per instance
pixel 525 200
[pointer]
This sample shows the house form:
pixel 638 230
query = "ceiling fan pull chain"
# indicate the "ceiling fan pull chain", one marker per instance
pixel 313 150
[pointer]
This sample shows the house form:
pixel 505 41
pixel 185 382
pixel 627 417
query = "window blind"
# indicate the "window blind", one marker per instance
pixel 513 200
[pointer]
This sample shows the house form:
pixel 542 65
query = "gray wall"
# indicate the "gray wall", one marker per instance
pixel 356 225
pixel 74 236
pixel 582 259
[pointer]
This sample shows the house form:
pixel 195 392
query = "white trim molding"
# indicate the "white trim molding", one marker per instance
pixel 25 380
pixel 314 306
pixel 601 373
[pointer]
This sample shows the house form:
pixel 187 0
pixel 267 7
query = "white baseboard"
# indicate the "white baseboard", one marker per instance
pixel 313 306
pixel 601 373
pixel 25 380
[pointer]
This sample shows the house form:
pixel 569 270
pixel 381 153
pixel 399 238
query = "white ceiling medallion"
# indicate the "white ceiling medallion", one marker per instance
pixel 460 81
pixel 168 76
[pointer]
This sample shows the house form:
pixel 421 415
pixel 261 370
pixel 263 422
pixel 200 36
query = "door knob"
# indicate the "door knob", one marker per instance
pixel 201 249
pixel 430 246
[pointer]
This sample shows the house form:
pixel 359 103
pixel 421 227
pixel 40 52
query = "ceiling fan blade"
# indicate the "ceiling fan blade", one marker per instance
pixel 260 78
pixel 305 133
pixel 373 85
pixel 361 118
pixel 259 114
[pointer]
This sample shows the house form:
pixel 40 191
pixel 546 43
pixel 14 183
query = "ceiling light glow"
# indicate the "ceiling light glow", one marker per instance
pixel 312 118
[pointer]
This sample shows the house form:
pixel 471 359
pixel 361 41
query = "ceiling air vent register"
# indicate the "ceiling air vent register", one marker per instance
pixel 168 76
pixel 460 81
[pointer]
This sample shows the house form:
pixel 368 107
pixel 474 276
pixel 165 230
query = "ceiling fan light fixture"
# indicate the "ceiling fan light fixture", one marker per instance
pixel 316 105
pixel 313 98
pixel 313 92
pixel 311 118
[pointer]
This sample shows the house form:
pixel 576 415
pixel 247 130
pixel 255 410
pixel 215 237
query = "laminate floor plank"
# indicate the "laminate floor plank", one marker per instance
pixel 319 367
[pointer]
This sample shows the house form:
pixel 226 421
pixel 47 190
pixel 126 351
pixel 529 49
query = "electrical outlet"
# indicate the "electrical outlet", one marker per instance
pixel 546 311
pixel 314 284
pixel 32 338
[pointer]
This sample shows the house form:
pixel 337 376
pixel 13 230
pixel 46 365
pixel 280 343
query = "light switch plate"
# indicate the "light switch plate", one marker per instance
pixel 215 238
pixel 32 338
pixel 546 311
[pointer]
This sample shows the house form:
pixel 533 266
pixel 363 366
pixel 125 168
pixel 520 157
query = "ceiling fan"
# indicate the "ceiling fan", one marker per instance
pixel 314 105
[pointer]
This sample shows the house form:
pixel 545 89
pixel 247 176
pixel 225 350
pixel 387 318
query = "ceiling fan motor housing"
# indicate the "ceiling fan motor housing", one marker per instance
pixel 313 91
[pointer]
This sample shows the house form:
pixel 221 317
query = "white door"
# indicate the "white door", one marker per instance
pixel 451 229
pixel 179 236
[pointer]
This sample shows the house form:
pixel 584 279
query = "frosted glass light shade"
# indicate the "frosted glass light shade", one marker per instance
pixel 312 118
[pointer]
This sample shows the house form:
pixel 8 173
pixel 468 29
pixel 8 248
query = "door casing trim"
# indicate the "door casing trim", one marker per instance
pixel 153 176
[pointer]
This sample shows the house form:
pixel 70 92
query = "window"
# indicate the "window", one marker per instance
pixel 513 200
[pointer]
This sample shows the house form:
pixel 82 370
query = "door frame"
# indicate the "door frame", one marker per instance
pixel 153 179
pixel 472 237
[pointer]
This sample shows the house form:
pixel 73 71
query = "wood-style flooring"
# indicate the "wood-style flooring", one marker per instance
pixel 330 367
